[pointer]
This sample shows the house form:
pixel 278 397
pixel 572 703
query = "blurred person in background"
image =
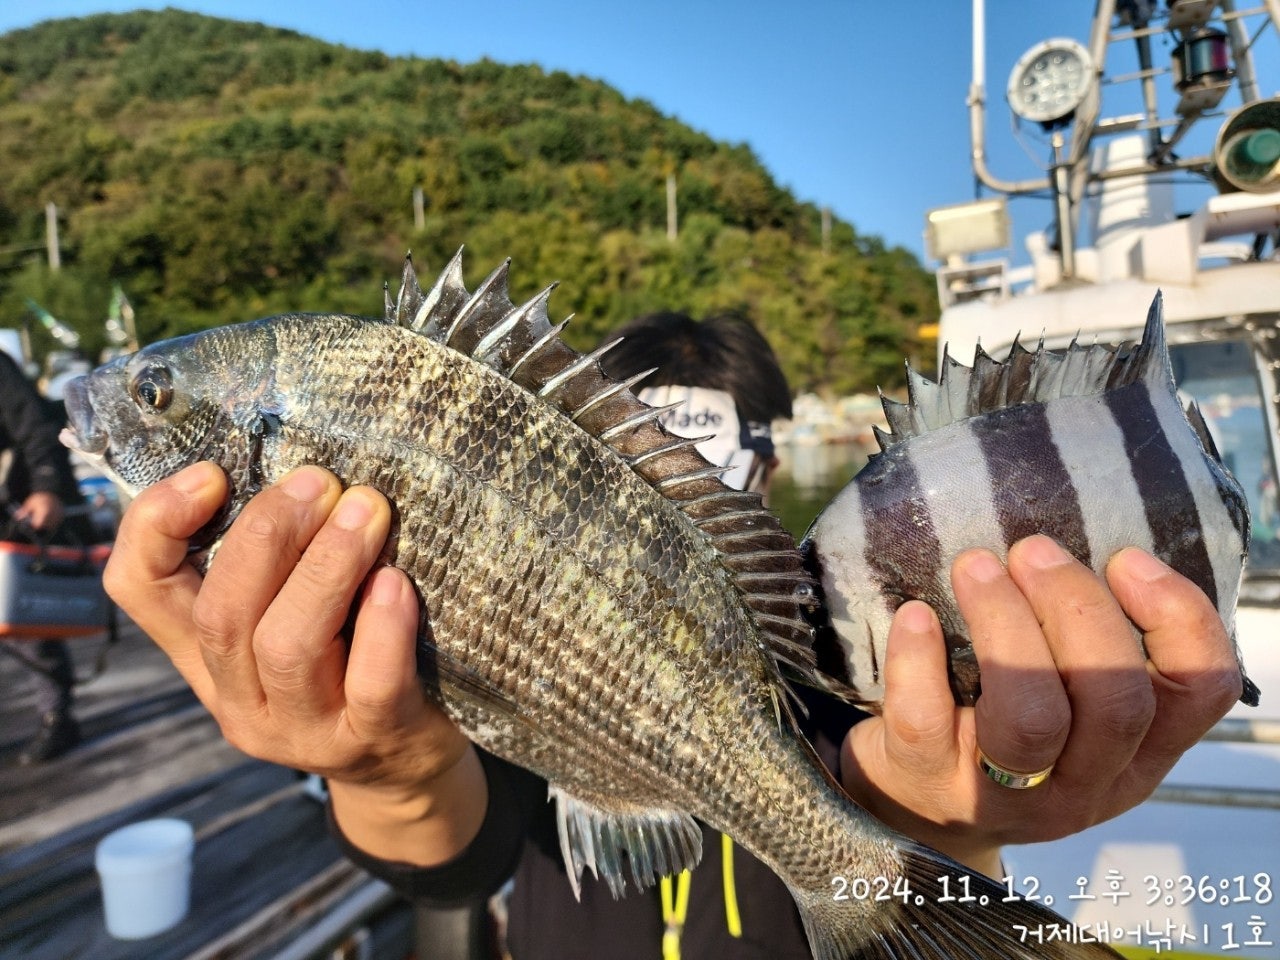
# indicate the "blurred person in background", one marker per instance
pixel 37 485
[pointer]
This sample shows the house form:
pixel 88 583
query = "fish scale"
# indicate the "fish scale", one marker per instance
pixel 470 463
pixel 598 606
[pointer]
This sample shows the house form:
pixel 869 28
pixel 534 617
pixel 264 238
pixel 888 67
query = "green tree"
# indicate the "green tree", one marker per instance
pixel 222 170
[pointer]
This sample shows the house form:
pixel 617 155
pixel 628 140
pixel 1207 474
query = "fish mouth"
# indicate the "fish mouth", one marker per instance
pixel 82 434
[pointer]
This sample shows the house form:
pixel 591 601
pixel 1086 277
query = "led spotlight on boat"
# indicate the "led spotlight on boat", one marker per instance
pixel 1050 81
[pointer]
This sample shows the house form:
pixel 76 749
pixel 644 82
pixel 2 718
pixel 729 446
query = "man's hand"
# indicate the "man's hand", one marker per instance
pixel 40 511
pixel 1064 684
pixel 259 640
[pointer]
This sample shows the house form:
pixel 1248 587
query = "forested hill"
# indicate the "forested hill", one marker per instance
pixel 222 171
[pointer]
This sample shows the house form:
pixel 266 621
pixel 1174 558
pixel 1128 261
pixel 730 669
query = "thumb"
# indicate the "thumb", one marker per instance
pixel 915 738
pixel 386 706
pixel 381 684
pixel 919 708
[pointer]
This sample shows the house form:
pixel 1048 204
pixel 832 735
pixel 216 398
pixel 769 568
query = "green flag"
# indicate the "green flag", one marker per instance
pixel 57 329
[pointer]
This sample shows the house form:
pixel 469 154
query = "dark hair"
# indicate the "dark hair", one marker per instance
pixel 723 352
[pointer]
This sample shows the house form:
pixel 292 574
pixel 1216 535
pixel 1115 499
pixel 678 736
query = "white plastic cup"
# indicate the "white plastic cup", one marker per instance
pixel 146 877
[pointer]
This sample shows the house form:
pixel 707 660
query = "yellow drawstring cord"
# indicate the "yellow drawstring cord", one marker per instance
pixel 731 916
pixel 675 904
pixel 673 914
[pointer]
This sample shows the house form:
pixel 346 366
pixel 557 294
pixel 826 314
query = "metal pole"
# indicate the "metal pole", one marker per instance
pixel 977 115
pixel 1198 164
pixel 1062 205
pixel 1150 106
pixel 671 207
pixel 1245 731
pixel 1165 147
pixel 979 43
pixel 51 235
pixel 1219 796
pixel 1241 57
pixel 1087 116
pixel 333 923
pixel 1103 14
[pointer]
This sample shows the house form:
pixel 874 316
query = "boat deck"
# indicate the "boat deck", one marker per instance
pixel 267 879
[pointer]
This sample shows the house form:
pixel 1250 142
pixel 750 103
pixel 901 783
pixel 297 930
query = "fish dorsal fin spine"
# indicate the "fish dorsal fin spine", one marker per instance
pixel 1196 419
pixel 522 344
pixel 444 299
pixel 608 392
pixel 1026 376
pixel 481 312
pixel 408 300
pixel 489 349
pixel 579 366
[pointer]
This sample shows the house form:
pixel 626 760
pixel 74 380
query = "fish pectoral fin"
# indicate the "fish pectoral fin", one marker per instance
pixel 657 842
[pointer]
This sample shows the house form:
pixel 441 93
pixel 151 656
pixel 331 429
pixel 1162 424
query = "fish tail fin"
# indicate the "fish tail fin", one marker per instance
pixel 937 910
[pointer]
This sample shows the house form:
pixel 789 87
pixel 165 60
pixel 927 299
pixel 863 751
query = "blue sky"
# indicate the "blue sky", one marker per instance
pixel 856 105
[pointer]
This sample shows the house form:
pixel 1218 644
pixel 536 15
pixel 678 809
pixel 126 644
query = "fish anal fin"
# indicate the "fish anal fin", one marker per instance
pixel 657 842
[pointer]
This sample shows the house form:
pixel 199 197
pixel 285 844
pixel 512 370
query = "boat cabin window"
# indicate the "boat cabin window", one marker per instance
pixel 1222 377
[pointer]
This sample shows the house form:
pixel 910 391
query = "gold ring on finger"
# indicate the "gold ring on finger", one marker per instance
pixel 1011 778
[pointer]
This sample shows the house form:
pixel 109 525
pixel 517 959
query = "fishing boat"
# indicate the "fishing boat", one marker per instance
pixel 1195 870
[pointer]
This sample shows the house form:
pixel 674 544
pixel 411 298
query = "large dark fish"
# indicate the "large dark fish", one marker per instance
pixel 1091 446
pixel 599 607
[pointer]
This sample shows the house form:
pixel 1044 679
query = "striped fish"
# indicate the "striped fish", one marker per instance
pixel 1090 445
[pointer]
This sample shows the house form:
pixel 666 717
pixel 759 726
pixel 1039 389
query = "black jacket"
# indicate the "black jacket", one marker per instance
pixel 28 430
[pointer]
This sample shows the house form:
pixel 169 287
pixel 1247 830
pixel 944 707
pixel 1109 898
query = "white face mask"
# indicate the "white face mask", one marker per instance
pixel 706 413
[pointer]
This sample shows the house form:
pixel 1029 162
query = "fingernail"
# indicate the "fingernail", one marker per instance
pixel 354 510
pixel 1143 565
pixel 384 588
pixel 1043 553
pixel 916 616
pixel 983 566
pixel 304 484
pixel 192 479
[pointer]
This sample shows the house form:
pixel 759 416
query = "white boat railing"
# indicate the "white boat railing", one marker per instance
pixel 1243 730
pixel 1230 730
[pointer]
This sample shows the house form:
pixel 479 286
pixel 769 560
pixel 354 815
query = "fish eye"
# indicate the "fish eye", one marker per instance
pixel 152 388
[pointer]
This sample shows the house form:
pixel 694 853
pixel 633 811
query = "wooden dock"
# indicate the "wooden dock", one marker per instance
pixel 267 879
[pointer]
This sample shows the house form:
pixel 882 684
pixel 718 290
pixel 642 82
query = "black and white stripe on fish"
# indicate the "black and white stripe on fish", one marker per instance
pixel 1090 445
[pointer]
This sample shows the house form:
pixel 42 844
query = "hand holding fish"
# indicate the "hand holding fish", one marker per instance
pixel 1064 687
pixel 259 641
